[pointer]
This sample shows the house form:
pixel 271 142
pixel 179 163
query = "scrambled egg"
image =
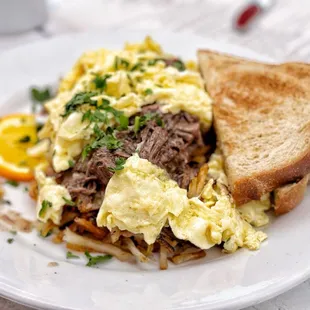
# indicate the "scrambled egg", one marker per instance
pixel 216 168
pixel 70 140
pixel 40 149
pixel 136 76
pixel 51 199
pixel 212 219
pixel 253 211
pixel 141 198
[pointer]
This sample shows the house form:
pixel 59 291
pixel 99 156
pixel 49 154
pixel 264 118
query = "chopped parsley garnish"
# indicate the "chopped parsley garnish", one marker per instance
pixel 178 64
pixel 101 81
pixel 94 260
pixel 123 121
pixel 10 240
pixel 100 115
pixel 22 163
pixel 102 138
pixel 136 125
pixel 24 139
pixel 95 116
pixel 26 189
pixel 44 207
pixel 5 202
pixel 79 99
pixel 137 66
pixel 140 121
pixel 120 62
pixel 69 202
pixel 130 81
pixel 71 255
pixel 71 163
pixel 12 183
pixel 153 62
pixel 119 164
pixel 13 232
pixel 148 91
pixel 40 95
pixel 48 234
pixel 39 126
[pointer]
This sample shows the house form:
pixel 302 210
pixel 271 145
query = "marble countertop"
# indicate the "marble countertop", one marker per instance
pixel 282 33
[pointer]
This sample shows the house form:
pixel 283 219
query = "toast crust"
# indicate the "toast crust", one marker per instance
pixel 237 84
pixel 253 188
pixel 290 196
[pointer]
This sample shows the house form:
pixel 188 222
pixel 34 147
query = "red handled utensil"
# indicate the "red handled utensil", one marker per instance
pixel 250 12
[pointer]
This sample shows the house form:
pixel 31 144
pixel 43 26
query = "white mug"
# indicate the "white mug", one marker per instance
pixel 21 15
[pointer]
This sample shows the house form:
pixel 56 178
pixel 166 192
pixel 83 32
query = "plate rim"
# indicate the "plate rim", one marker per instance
pixel 23 297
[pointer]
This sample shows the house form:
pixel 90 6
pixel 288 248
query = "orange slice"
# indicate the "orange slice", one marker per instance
pixel 17 134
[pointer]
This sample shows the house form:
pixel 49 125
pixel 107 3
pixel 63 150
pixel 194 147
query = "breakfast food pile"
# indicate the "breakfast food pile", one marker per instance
pixel 127 163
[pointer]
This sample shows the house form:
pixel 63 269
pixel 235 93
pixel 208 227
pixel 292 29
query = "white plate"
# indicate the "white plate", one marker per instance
pixel 217 282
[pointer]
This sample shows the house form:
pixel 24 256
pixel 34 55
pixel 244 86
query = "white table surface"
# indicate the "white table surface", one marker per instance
pixel 283 33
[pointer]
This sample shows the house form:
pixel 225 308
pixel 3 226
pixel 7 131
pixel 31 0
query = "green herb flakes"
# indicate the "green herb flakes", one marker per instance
pixel 5 202
pixel 178 64
pixel 77 100
pixel 136 125
pixel 39 126
pixel 71 163
pixel 94 260
pixel 10 240
pixel 24 139
pixel 70 255
pixel 123 122
pixel 120 63
pixel 130 80
pixel 44 207
pixel 69 202
pixel 148 91
pixel 141 121
pixel 48 234
pixel 153 62
pixel 12 183
pixel 137 66
pixel 40 95
pixel 102 138
pixel 119 164
pixel 101 81
pixel 22 163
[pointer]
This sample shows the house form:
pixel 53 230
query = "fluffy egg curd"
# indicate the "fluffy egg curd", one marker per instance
pixel 128 79
pixel 125 142
pixel 142 199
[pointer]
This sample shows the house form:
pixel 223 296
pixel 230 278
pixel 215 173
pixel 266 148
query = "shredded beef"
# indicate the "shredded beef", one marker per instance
pixel 153 139
pixel 79 182
pixel 171 147
pixel 100 165
pixel 130 142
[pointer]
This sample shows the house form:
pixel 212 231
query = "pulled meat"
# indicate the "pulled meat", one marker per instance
pixel 100 165
pixel 170 147
pixel 79 183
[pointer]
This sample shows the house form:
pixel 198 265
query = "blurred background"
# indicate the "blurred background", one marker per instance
pixel 277 28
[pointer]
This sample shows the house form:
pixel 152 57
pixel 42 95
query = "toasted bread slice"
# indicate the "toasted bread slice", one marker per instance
pixel 262 121
pixel 290 196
